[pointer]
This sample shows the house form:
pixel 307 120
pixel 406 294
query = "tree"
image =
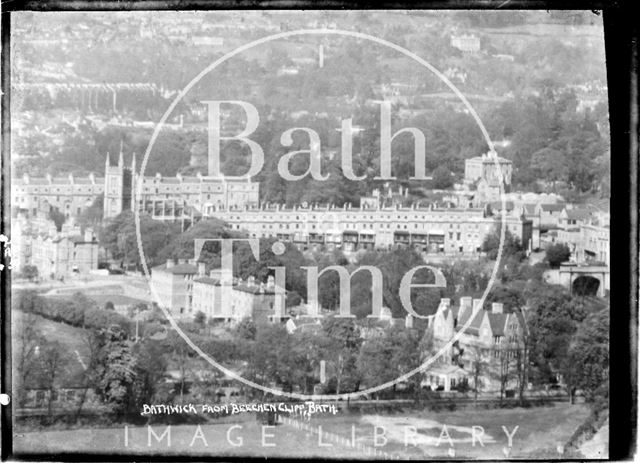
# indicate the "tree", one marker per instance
pixel 109 306
pixel 246 329
pixel 503 370
pixel 27 340
pixel 29 301
pixel 150 367
pixel 181 351
pixel 508 294
pixel 53 362
pixel 511 245
pixel 115 371
pixel 88 379
pixel 339 347
pixel 30 272
pixel 120 239
pixel 57 217
pixel 442 178
pixel 93 215
pixel 478 367
pixel 375 361
pixel 553 318
pixel 589 357
pixel 557 254
pixel 279 358
pixel 200 318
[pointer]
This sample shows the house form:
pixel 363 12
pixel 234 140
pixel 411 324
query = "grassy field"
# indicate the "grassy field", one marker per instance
pixel 69 336
pixel 539 432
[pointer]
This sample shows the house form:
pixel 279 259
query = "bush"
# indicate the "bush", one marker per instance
pixel 557 254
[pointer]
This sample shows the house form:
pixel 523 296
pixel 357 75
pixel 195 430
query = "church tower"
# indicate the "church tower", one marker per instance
pixel 113 187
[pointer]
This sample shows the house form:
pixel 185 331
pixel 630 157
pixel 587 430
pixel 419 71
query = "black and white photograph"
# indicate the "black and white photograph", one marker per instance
pixel 338 234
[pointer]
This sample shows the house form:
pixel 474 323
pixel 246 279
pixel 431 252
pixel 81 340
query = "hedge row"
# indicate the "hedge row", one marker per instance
pixel 79 311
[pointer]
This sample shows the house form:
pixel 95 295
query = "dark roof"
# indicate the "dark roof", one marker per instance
pixel 497 205
pixel 578 214
pixel 475 323
pixel 254 289
pixel 207 281
pixel 497 322
pixel 529 208
pixel 78 239
pixel 178 269
pixel 38 181
pixel 552 207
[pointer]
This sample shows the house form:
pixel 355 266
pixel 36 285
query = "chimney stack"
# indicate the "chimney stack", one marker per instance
pixel 251 281
pixel 497 307
pixel 170 263
pixel 271 282
pixel 408 321
pixel 201 269
pixel 88 235
pixel 465 303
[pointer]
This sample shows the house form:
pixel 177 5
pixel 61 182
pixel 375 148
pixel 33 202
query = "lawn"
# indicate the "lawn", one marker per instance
pixel 67 335
pixel 537 436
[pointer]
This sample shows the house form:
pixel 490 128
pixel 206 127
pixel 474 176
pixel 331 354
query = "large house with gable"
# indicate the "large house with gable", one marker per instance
pixel 493 336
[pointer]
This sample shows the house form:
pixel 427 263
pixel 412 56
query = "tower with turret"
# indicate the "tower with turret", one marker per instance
pixel 117 186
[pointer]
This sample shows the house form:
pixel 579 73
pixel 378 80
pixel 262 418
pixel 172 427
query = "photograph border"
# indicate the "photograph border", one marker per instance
pixel 622 81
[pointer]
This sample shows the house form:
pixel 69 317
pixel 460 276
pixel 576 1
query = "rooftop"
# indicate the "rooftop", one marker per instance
pixel 178 269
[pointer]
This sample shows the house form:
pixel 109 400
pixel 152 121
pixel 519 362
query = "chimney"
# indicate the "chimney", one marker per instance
pixel 477 305
pixel 262 288
pixel 465 303
pixel 408 321
pixel 444 304
pixel 201 269
pixel 251 281
pixel 271 282
pixel 497 307
pixel 170 263
pixel 88 234
pixel 226 277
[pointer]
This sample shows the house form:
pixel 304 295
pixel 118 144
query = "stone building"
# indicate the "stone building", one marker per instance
pixel 439 231
pixel 56 254
pixel 165 198
pixel 488 172
pixel 173 283
pixel 235 299
pixel 492 337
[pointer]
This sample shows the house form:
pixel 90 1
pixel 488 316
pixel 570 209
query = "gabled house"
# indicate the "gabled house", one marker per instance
pixel 490 335
pixel 549 214
pixel 572 218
